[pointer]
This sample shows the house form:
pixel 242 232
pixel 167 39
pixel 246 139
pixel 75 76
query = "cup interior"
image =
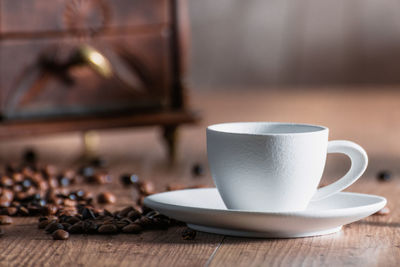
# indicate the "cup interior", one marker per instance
pixel 265 128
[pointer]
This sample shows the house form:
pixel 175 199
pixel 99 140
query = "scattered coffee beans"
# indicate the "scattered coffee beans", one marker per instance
pixel 383 212
pixel 4 219
pixel 384 176
pixel 30 190
pixel 60 235
pixel 106 198
pixel 189 234
pixel 33 190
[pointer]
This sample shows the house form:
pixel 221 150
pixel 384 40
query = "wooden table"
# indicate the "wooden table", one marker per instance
pixel 368 117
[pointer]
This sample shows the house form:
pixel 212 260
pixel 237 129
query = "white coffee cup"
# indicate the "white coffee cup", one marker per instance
pixel 276 167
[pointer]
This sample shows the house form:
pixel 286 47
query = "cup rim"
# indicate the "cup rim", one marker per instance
pixel 313 128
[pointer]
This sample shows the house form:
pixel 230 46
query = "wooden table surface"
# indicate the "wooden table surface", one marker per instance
pixel 368 117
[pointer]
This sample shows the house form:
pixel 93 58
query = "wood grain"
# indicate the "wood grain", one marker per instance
pixel 367 118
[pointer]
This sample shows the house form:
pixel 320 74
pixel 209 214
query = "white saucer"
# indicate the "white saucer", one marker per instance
pixel 204 210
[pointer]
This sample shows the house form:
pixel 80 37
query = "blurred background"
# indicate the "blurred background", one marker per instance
pixel 260 43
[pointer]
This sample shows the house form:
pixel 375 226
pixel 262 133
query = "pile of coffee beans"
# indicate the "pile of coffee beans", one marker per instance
pixel 88 220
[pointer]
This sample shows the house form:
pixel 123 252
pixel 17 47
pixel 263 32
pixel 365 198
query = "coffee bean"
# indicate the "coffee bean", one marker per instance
pixel 50 171
pixel 98 162
pixel 80 194
pixel 90 227
pixel 6 181
pixel 60 235
pixel 26 183
pixel 145 222
pixel 72 220
pixel 76 228
pixel 107 213
pixel 189 234
pixel 146 188
pixel 132 228
pixel 197 170
pixel 87 171
pixel 17 188
pixel 10 168
pixel 152 214
pixel 108 229
pixel 7 194
pixel 4 203
pixel 129 179
pixel 106 198
pixel 124 212
pixel 88 214
pixel 30 156
pixel 23 211
pixel 384 211
pixel 72 196
pixel 4 219
pixel 65 225
pixel 69 203
pixel 133 215
pixel 384 176
pixel 33 210
pixel 146 210
pixel 1 232
pixel 44 224
pixel 64 181
pixel 99 178
pixel 50 228
pixel 11 211
pixel 121 224
pixel 42 218
pixel 17 177
pixel 50 209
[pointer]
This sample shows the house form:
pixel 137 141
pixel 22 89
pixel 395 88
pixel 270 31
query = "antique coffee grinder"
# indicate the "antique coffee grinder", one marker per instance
pixel 83 65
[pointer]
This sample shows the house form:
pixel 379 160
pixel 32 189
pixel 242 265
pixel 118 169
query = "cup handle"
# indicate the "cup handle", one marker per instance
pixel 359 162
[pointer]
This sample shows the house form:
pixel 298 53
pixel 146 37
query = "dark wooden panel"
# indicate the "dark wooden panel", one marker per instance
pixel 60 15
pixel 91 92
